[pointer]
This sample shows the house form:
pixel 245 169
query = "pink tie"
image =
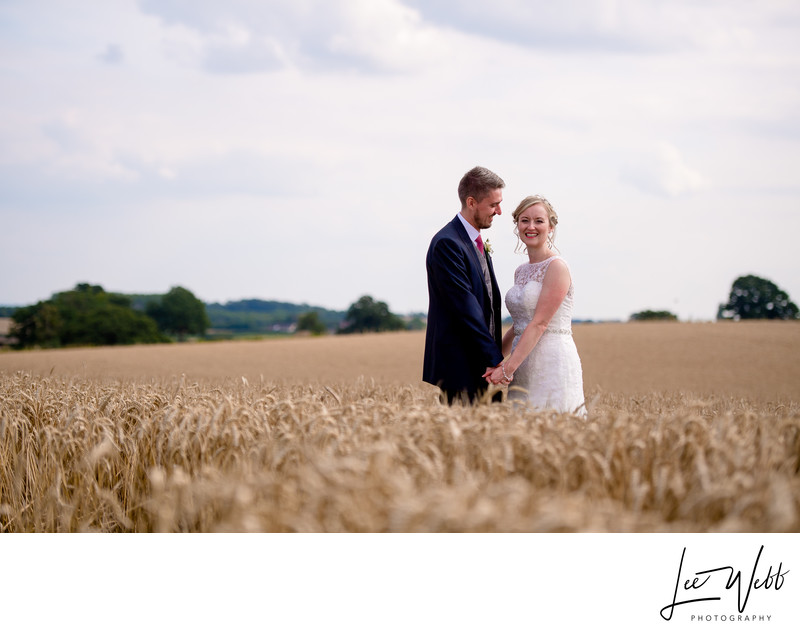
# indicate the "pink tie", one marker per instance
pixel 479 241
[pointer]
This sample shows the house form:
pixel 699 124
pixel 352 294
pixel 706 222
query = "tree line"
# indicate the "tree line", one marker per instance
pixel 750 298
pixel 90 316
pixel 260 317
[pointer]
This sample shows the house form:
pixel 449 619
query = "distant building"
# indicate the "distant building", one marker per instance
pixel 5 332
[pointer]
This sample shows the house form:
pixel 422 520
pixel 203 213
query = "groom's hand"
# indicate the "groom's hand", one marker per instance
pixel 495 376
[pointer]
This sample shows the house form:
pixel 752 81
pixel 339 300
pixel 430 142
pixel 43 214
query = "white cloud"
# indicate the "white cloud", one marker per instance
pixel 663 171
pixel 619 26
pixel 112 54
pixel 245 36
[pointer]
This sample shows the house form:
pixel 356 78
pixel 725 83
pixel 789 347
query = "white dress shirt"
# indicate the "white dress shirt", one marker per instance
pixel 472 231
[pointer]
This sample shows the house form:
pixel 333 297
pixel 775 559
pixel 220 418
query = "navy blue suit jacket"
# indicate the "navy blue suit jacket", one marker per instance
pixel 458 343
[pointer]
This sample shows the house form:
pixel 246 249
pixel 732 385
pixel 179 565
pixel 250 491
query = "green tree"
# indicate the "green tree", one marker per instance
pixel 84 316
pixel 754 298
pixel 653 315
pixel 311 322
pixel 37 325
pixel 179 313
pixel 368 315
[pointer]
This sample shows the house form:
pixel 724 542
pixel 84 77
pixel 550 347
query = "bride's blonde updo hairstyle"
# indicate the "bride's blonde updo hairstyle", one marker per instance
pixel 529 201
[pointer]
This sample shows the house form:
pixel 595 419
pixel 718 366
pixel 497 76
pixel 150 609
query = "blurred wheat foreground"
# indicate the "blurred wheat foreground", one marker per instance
pixel 691 428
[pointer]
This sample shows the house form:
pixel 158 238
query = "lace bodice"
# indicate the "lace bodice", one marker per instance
pixel 522 298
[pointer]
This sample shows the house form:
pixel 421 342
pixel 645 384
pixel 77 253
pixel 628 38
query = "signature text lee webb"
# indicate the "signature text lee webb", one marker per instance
pixel 707 585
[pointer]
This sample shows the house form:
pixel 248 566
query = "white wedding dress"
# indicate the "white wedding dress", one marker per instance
pixel 551 377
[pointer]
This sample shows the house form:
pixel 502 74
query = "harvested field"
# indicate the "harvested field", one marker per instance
pixel 752 360
pixel 692 428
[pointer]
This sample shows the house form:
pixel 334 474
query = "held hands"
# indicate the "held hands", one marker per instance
pixel 498 375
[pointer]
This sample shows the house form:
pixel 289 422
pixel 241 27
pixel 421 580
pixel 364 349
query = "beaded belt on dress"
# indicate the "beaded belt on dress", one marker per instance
pixel 549 330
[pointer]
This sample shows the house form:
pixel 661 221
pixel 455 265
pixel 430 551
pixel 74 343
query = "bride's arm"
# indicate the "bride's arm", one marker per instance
pixel 554 289
pixel 508 340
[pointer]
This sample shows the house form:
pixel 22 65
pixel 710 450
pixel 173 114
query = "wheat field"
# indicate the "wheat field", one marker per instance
pixel 691 428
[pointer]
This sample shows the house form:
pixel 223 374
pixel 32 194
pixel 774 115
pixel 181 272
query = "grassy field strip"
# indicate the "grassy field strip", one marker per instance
pixel 754 360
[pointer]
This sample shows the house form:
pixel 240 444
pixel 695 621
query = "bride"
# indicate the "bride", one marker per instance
pixel 543 362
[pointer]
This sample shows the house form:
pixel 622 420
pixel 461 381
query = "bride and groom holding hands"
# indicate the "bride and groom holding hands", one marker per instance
pixel 465 349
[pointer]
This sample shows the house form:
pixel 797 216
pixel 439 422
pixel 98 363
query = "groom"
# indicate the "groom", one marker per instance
pixel 464 335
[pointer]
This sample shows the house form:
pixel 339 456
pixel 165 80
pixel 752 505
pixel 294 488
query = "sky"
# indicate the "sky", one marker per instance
pixel 307 151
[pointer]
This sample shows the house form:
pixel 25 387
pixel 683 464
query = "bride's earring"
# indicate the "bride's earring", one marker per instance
pixel 550 240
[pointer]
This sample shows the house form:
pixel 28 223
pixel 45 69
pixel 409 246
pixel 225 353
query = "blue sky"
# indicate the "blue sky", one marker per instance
pixel 307 151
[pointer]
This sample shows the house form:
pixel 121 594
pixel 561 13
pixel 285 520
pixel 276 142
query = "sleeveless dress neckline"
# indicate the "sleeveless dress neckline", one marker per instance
pixel 555 256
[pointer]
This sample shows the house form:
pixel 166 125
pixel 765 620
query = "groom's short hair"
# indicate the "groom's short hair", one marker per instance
pixel 478 182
